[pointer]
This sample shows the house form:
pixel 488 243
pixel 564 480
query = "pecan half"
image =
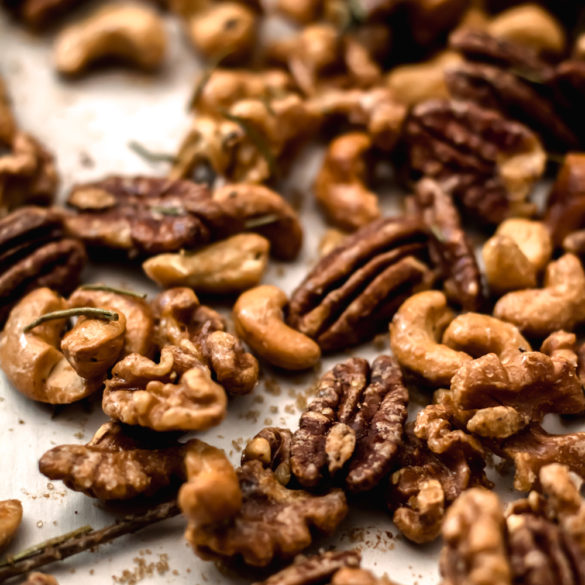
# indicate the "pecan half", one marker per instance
pixel 353 291
pixel 354 425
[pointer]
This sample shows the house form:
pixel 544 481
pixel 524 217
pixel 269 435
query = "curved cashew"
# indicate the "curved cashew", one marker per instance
pixel 559 305
pixel 10 519
pixel 260 322
pixel 340 186
pixel 32 361
pixel 127 31
pixel 414 333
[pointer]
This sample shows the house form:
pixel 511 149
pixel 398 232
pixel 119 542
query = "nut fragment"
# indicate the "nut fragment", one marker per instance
pixel 506 267
pixel 10 519
pixel 259 320
pixel 271 446
pixel 353 427
pixel 227 266
pixel 40 579
pixel 127 31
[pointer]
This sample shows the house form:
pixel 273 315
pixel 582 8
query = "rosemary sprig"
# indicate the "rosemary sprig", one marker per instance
pixel 113 289
pixel 90 312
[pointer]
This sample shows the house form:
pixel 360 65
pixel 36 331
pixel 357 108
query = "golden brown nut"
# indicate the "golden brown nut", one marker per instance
pixel 340 186
pixel 32 361
pixel 329 241
pixel 177 394
pixel 40 579
pixel 259 320
pixel 415 331
pixel 10 519
pixel 127 31
pixel 228 266
pixel 7 122
pixel 301 11
pixel 559 305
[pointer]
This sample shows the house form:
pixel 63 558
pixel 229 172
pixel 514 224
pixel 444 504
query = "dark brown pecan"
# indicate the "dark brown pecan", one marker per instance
pixel 492 162
pixel 353 291
pixel 273 523
pixel 271 446
pixel 146 215
pixel 354 425
pixel 34 252
pixel 449 247
pixel 568 85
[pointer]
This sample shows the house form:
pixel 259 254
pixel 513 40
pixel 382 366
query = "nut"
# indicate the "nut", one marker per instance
pixel 559 305
pixel 329 241
pixel 273 523
pixel 415 332
pixel 118 464
pixel 7 122
pixel 300 11
pixel 35 253
pixel 449 246
pixel 271 446
pixel 40 579
pixel 259 320
pixel 228 266
pixel 340 186
pixel 349 295
pixel 130 32
pixel 180 318
pixel 492 162
pixel 169 396
pixel 10 519
pixel 38 14
pixel 32 361
pixel 353 427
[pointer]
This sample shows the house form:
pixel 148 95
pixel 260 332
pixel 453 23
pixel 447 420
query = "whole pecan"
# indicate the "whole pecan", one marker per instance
pixel 354 425
pixel 34 252
pixel 492 162
pixel 353 291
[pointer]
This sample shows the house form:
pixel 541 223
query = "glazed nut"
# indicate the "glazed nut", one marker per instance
pixel 259 321
pixel 272 447
pixel 228 266
pixel 10 519
pixel 532 237
pixel 415 332
pixel 40 579
pixel 127 31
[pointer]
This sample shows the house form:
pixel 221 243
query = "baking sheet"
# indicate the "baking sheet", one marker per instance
pixel 88 123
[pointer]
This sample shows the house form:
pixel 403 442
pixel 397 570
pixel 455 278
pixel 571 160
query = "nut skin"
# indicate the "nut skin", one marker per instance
pixel 259 321
pixel 415 332
pixel 228 266
pixel 127 31
pixel 10 519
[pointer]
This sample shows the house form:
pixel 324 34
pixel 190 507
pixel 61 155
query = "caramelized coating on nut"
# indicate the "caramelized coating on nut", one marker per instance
pixel 272 447
pixel 10 519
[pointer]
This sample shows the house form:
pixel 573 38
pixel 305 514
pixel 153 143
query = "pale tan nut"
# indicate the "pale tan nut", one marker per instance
pixel 341 184
pixel 32 361
pixel 474 550
pixel 529 25
pixel 259 321
pixel 347 576
pixel 164 396
pixel 560 304
pixel 412 84
pixel 497 422
pixel 10 519
pixel 329 241
pixel 532 237
pixel 40 579
pixel 228 266
pixel 415 332
pixel 130 32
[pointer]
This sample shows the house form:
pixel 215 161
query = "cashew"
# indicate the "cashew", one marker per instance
pixel 340 186
pixel 260 323
pixel 10 519
pixel 127 31
pixel 529 25
pixel 531 237
pixel 414 333
pixel 559 305
pixel 228 266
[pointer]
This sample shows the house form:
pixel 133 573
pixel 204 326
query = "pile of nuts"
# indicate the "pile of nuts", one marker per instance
pixel 469 104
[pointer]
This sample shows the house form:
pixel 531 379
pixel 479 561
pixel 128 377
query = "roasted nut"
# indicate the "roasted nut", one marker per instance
pixel 181 318
pixel 491 161
pixel 35 253
pixel 347 576
pixel 449 247
pixel 118 464
pixel 474 552
pixel 415 332
pixel 429 20
pixel 176 394
pixel 10 519
pixel 40 13
pixel 301 11
pixel 259 320
pixel 7 122
pixel 276 220
pixel 271 446
pixel 127 31
pixel 349 295
pixel 273 522
pixel 229 266
pixel 146 215
pixel 331 239
pixel 32 361
pixel 40 579
pixel 559 305
pixel 340 186
pixel 353 427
